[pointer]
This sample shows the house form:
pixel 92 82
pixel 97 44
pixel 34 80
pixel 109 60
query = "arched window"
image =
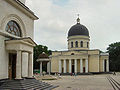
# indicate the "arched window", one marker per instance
pixel 13 28
pixel 87 44
pixel 71 44
pixel 76 44
pixel 81 43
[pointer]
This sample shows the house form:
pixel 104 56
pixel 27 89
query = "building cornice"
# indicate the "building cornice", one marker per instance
pixel 19 5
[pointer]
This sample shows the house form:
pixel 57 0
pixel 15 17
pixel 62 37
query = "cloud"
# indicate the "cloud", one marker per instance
pixel 101 17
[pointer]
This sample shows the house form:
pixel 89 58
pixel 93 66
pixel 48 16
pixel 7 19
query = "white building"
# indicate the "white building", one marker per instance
pixel 16 39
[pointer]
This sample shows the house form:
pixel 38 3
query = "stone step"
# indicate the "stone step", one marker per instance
pixel 25 84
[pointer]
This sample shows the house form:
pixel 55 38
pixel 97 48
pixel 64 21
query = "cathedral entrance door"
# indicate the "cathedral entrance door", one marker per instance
pixel 105 64
pixel 72 68
pixel 12 66
pixel 84 69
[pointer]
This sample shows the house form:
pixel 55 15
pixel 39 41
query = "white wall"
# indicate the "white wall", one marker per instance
pixel 23 1
pixel 3 59
pixel 7 13
pixel 10 12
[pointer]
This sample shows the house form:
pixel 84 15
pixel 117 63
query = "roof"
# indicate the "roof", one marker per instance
pixel 23 8
pixel 104 54
pixel 43 56
pixel 28 39
pixel 78 29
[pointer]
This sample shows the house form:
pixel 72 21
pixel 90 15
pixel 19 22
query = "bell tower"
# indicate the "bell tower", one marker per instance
pixel 23 1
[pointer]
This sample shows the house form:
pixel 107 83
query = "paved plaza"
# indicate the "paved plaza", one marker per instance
pixel 85 82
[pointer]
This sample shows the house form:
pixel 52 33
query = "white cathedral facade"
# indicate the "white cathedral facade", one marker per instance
pixel 16 39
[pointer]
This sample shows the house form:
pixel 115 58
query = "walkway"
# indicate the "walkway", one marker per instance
pixel 85 82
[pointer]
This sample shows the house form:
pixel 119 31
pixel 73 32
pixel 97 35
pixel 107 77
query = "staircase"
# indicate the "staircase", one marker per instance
pixel 26 84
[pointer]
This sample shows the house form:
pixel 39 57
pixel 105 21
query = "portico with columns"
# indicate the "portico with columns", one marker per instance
pixel 73 66
pixel 20 52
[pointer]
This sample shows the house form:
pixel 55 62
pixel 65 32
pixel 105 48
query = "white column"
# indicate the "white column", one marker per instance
pixel 103 66
pixel 30 65
pixel 60 66
pixel 107 65
pixel 18 65
pixel 70 66
pixel 25 64
pixel 40 68
pixel 86 65
pixel 81 66
pixel 48 67
pixel 75 65
pixel 64 66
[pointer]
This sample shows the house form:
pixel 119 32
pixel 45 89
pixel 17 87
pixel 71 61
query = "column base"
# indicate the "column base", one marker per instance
pixel 30 77
pixel 18 78
pixel 41 74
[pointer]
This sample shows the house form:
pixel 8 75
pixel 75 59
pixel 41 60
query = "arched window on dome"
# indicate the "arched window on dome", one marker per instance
pixel 71 44
pixel 87 44
pixel 13 28
pixel 81 43
pixel 76 44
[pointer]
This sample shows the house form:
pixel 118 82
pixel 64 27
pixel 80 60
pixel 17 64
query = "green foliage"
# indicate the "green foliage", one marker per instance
pixel 114 56
pixel 39 49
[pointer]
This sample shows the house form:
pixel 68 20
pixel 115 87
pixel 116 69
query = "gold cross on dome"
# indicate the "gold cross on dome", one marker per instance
pixel 78 19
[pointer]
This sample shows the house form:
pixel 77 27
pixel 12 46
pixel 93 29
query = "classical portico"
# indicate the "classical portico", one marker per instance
pixel 72 66
pixel 20 52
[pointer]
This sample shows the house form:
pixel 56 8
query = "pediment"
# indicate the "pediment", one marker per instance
pixel 24 44
pixel 26 40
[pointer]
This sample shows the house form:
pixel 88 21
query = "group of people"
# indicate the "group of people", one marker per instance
pixel 73 74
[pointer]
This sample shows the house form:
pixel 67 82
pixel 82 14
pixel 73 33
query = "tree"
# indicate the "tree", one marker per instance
pixel 114 56
pixel 39 49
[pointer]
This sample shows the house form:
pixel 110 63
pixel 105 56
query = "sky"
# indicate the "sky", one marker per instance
pixel 56 17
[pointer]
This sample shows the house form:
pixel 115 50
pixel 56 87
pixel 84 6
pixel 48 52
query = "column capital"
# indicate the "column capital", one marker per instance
pixel 19 51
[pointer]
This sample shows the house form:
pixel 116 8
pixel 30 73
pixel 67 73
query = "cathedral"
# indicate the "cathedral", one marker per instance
pixel 16 39
pixel 79 58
